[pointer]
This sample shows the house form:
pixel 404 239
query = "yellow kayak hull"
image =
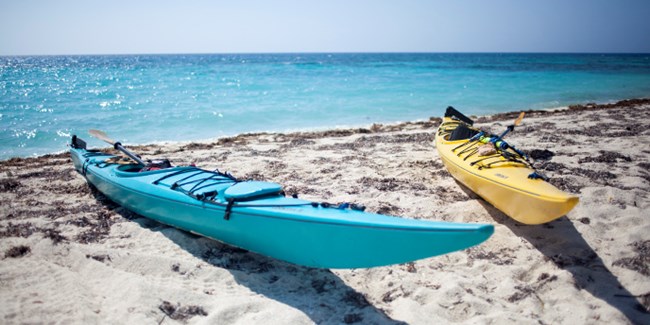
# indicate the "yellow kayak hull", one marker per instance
pixel 505 185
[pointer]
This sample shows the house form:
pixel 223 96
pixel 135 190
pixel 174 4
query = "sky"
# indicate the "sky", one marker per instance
pixel 60 27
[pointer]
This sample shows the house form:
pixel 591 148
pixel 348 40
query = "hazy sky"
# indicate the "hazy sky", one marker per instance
pixel 242 26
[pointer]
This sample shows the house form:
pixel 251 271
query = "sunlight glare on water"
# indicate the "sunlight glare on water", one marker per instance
pixel 148 98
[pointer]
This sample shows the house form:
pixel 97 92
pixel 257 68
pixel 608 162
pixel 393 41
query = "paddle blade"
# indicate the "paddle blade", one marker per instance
pixel 101 136
pixel 521 117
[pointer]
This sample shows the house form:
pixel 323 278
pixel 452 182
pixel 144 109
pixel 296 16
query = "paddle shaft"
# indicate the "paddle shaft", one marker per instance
pixel 117 145
pixel 512 127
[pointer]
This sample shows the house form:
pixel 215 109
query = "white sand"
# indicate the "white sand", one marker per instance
pixel 115 267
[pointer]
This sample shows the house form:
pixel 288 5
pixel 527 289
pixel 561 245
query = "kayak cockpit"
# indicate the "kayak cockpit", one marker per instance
pixel 127 170
pixel 136 170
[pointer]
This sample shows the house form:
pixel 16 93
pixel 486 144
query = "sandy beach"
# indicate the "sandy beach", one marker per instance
pixel 69 255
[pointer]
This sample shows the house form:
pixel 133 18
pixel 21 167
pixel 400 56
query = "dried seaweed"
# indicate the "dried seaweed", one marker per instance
pixel 523 291
pixel 9 185
pixel 17 251
pixel 541 154
pixel 502 257
pixel 639 263
pixel 99 257
pixel 607 157
pixel 352 318
pixel 356 299
pixel 181 313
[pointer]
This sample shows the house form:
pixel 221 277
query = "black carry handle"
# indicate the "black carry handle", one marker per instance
pixel 452 112
pixel 77 143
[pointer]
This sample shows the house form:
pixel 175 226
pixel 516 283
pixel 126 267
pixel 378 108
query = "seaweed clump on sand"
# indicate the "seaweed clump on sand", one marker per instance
pixel 17 251
pixel 541 154
pixel 27 229
pixel 565 184
pixel 9 185
pixel 181 313
pixel 98 230
pixel 24 230
pixel 352 318
pixel 608 157
pixel 640 262
pixel 504 256
pixel 510 115
pixel 355 299
pixel 99 257
pixel 524 291
pixel 628 103
pixel 54 235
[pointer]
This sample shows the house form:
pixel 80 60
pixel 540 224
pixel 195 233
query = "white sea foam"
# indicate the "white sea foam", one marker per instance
pixel 63 134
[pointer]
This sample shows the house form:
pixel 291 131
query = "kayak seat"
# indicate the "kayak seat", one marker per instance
pixel 250 190
pixel 462 132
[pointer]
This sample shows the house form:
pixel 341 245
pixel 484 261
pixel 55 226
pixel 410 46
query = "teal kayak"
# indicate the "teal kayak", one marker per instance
pixel 258 217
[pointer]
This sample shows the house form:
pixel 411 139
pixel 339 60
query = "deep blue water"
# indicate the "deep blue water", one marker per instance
pixel 146 98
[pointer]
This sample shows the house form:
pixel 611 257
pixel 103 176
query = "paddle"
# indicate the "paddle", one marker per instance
pixel 512 126
pixel 510 129
pixel 118 146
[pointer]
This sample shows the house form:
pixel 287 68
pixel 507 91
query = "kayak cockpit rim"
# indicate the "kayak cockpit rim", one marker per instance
pixel 135 171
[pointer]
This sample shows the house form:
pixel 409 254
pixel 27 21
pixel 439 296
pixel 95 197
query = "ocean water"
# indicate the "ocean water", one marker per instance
pixel 149 98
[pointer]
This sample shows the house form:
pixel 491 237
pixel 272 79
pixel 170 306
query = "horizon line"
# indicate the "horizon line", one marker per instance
pixel 325 52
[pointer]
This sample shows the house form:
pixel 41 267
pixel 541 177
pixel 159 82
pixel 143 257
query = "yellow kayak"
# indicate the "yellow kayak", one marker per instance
pixel 498 172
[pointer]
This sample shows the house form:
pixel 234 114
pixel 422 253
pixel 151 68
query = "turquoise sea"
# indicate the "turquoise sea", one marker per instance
pixel 148 98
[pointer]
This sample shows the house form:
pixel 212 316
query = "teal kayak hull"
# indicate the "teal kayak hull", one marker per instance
pixel 288 229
